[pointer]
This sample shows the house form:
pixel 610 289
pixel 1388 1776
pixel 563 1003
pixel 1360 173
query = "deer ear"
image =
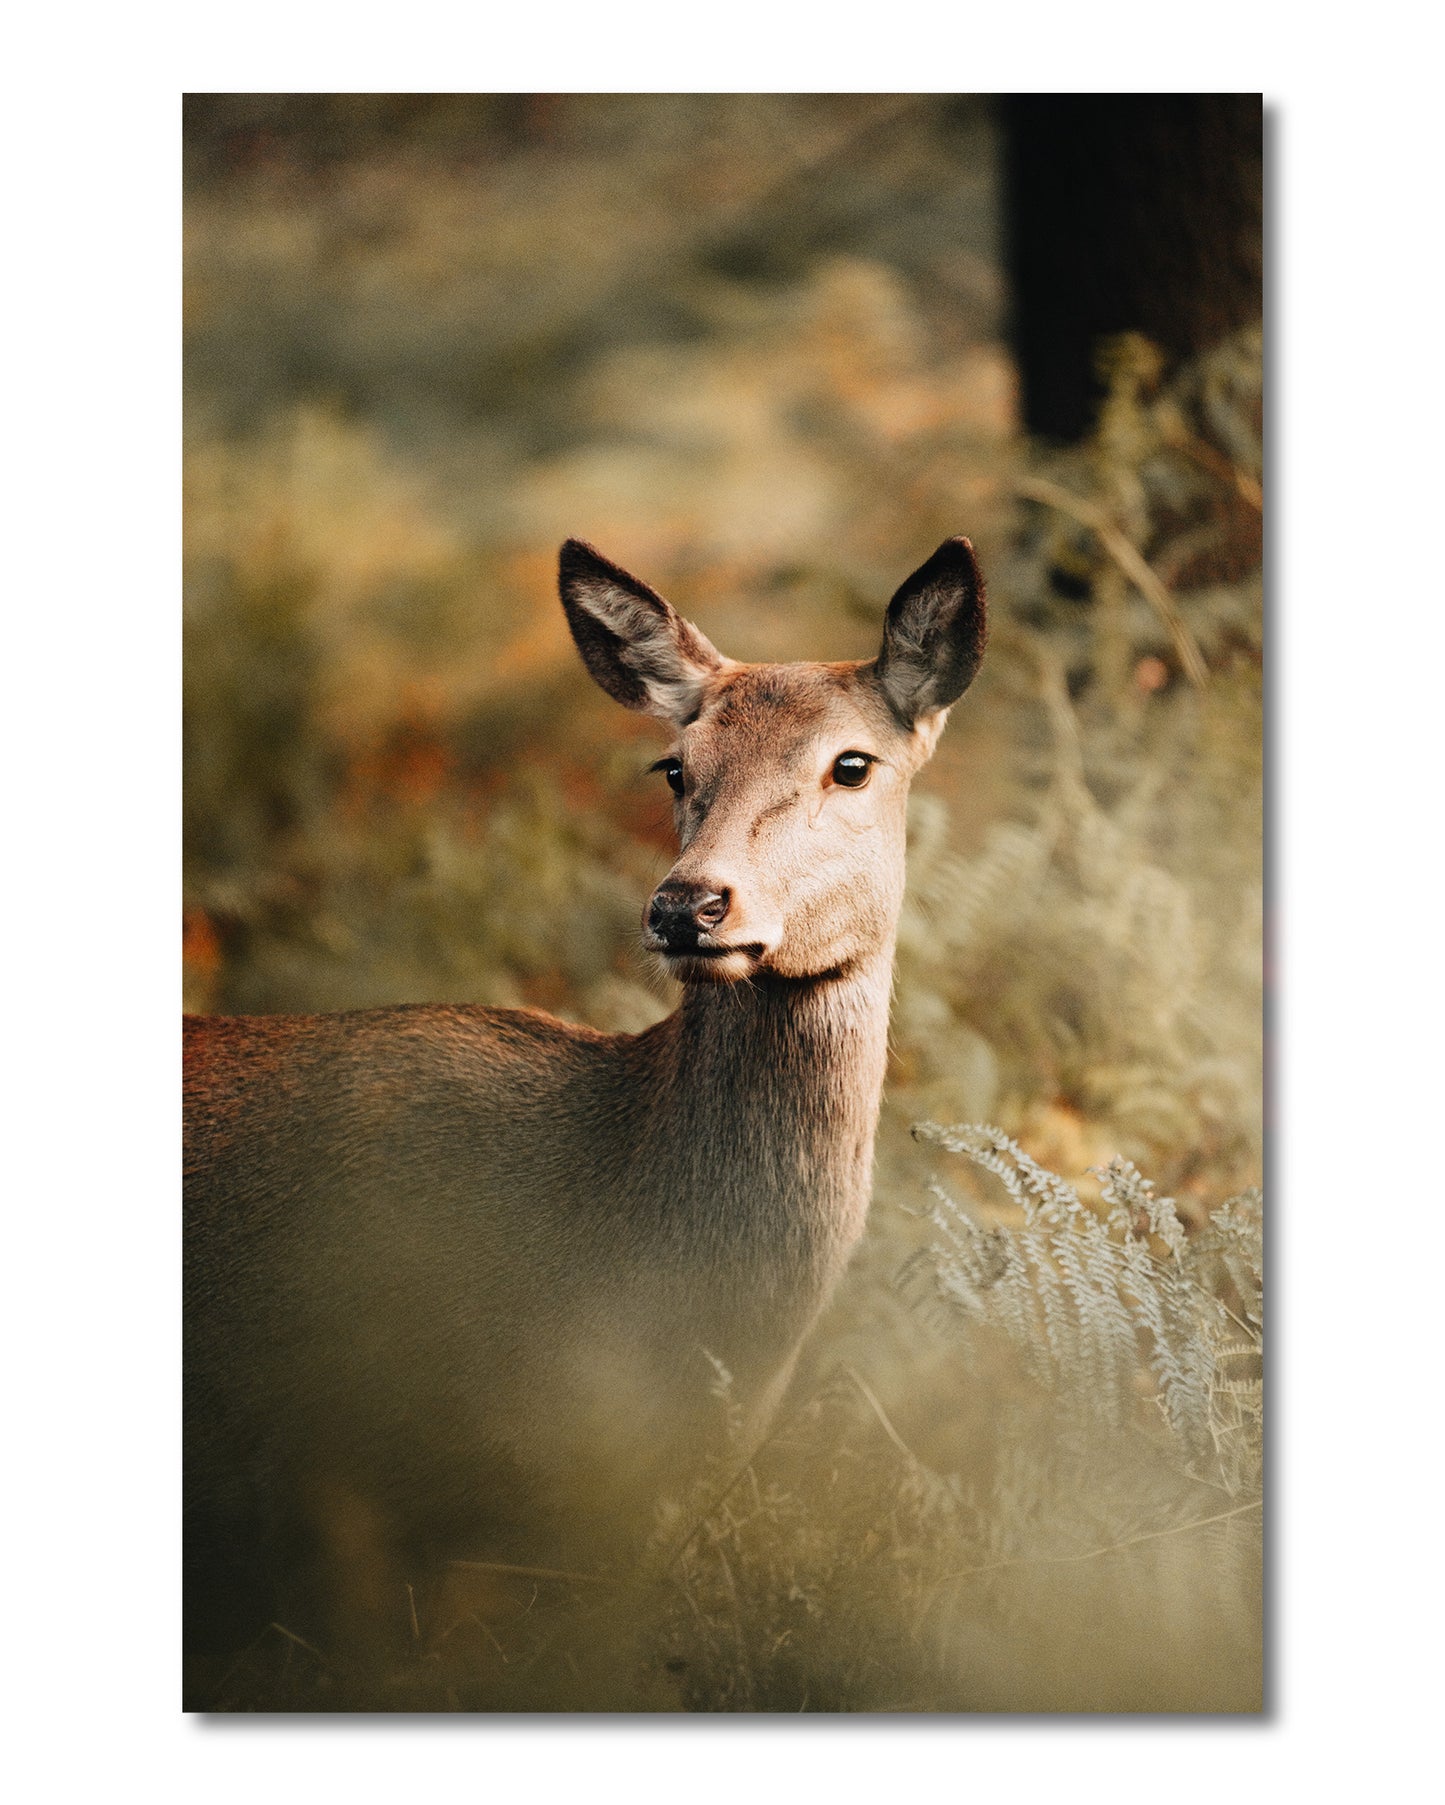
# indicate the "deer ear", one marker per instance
pixel 636 645
pixel 934 635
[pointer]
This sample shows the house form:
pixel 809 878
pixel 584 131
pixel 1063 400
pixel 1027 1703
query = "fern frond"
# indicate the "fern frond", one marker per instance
pixel 1097 1315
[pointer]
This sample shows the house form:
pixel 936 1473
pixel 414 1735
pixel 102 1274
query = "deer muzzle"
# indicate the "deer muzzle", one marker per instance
pixel 681 917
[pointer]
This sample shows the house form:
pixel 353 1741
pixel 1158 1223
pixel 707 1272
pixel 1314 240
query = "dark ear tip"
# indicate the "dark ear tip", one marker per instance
pixel 959 548
pixel 577 552
pixel 959 553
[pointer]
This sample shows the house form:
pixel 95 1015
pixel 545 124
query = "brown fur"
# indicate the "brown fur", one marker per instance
pixel 462 1268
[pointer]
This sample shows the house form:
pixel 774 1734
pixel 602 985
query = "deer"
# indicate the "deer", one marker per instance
pixel 458 1280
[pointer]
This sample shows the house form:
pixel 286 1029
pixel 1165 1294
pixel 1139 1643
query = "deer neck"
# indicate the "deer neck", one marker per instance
pixel 762 1144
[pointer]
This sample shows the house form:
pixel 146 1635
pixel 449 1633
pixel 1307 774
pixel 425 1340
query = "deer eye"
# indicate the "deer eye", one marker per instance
pixel 853 769
pixel 671 768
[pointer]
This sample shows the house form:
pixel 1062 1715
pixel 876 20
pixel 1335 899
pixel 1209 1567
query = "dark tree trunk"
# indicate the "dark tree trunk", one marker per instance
pixel 1126 212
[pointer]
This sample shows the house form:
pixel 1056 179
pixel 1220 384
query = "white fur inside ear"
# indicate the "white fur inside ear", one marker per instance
pixel 909 674
pixel 653 647
pixel 928 727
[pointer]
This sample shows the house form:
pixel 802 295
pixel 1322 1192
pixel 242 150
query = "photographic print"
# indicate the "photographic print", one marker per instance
pixel 723 919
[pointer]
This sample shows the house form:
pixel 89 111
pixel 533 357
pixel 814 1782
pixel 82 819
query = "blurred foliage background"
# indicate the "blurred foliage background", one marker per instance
pixel 757 348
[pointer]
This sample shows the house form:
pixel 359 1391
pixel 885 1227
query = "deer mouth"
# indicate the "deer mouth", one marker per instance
pixel 711 964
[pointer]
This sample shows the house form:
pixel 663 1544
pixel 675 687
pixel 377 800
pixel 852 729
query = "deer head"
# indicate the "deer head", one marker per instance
pixel 790 780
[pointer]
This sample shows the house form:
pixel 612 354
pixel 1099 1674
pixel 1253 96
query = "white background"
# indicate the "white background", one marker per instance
pixel 91 462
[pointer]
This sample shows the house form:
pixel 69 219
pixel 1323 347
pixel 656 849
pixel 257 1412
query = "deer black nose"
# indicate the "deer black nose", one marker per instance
pixel 679 912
